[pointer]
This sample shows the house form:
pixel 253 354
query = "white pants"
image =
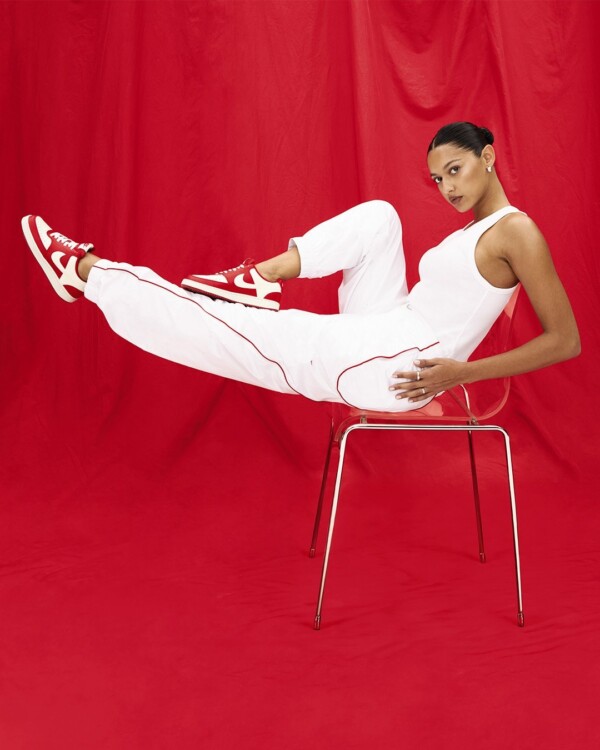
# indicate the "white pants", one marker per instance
pixel 348 357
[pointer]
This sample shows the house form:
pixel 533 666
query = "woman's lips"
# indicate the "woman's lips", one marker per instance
pixel 456 200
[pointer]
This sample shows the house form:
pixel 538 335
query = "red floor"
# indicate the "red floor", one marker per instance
pixel 147 605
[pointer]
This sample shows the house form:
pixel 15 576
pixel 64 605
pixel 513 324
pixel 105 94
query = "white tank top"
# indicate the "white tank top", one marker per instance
pixel 452 296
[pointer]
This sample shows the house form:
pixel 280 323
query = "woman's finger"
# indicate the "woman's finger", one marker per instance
pixel 410 381
pixel 416 394
pixel 424 367
pixel 410 375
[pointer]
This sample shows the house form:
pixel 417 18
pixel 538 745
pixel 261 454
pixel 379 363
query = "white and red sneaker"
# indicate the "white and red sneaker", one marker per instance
pixel 57 255
pixel 240 284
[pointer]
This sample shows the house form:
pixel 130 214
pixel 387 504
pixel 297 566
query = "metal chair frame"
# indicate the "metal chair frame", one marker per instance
pixel 469 422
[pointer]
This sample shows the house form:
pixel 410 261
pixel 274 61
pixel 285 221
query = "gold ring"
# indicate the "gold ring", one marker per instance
pixel 423 391
pixel 418 375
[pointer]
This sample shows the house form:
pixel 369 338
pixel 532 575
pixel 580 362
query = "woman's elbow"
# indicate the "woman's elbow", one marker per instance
pixel 572 347
pixel 565 346
pixel 576 351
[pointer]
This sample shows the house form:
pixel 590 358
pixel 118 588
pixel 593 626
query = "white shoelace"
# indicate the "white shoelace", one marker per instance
pixel 247 262
pixel 64 240
pixel 71 244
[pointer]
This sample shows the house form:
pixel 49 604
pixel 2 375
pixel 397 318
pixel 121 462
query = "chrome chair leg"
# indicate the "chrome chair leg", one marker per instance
pixel 313 544
pixel 338 482
pixel 476 497
pixel 513 509
pixel 336 495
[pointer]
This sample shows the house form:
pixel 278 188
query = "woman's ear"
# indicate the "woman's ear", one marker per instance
pixel 488 155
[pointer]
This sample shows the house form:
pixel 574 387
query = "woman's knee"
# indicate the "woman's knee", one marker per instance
pixel 383 213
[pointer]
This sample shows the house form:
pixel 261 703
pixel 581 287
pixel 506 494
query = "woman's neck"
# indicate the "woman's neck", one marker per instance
pixel 492 201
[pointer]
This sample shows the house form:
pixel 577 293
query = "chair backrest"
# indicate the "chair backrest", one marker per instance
pixel 490 396
pixel 479 402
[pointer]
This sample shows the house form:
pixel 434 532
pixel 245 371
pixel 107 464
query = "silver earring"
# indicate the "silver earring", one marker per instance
pixel 488 169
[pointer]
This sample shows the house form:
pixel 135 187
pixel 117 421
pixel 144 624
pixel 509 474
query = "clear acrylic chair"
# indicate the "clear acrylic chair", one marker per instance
pixel 460 409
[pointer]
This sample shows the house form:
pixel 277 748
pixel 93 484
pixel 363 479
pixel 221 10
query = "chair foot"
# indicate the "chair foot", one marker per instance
pixel 482 557
pixel 520 619
pixel 318 622
pixel 311 552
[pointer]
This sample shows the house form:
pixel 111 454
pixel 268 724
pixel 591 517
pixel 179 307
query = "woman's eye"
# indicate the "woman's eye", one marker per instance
pixel 451 168
pixel 437 180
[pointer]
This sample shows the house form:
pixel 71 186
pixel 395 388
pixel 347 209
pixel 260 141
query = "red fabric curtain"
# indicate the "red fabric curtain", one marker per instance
pixel 154 518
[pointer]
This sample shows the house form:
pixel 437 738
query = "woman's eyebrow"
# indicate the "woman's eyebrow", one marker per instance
pixel 447 164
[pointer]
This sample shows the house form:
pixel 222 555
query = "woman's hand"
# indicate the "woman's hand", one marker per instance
pixel 435 375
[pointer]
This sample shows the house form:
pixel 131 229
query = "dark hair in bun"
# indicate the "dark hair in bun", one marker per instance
pixel 464 135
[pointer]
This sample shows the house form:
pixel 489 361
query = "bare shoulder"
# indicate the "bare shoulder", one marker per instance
pixel 519 235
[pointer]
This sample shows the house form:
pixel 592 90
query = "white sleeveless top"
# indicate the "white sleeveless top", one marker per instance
pixel 452 296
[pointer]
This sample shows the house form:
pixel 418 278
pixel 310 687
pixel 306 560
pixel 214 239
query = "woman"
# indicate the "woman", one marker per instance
pixel 389 349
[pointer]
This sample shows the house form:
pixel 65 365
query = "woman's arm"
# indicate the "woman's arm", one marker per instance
pixel 523 247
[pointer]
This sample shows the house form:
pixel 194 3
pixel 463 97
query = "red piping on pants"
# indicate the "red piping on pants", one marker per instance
pixel 382 356
pixel 185 298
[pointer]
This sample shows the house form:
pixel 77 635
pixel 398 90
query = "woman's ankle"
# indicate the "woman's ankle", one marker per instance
pixel 85 265
pixel 265 269
pixel 282 267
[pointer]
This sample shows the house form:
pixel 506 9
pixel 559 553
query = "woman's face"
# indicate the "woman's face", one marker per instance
pixel 460 175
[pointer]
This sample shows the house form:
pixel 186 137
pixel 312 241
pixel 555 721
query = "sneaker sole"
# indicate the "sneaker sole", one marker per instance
pixel 39 256
pixel 210 291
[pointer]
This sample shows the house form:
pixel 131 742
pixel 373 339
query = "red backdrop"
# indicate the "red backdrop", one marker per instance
pixel 155 590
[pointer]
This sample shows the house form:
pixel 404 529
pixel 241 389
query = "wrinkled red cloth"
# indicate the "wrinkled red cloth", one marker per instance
pixel 154 521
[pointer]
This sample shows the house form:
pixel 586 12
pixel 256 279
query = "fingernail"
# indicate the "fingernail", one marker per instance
pixel 417 362
pixel 391 387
